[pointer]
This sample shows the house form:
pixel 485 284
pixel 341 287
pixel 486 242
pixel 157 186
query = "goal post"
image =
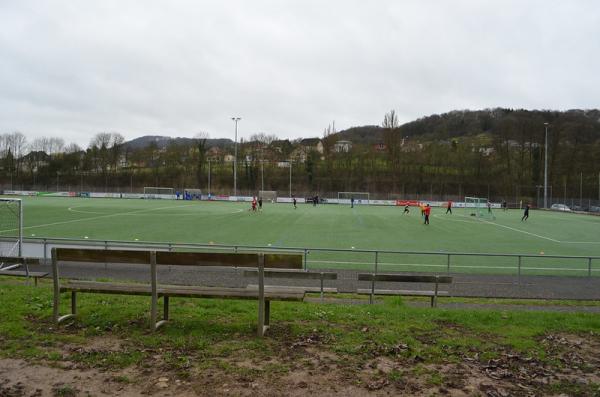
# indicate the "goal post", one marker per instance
pixel 478 207
pixel 359 197
pixel 268 195
pixel 192 194
pixel 151 192
pixel 11 227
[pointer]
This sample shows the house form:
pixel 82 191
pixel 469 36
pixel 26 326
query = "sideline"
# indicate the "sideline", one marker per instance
pixel 104 216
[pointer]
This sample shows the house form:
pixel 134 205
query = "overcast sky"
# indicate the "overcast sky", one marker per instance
pixel 72 69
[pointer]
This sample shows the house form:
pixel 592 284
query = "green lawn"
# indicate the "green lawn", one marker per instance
pixel 206 334
pixel 330 226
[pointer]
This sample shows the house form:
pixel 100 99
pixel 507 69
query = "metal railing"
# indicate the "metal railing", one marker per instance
pixel 362 259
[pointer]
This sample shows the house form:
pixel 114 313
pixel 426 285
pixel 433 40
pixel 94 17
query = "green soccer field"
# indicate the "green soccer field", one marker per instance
pixel 330 226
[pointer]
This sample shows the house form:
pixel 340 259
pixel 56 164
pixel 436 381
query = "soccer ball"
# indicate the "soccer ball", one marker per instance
pixel 541 252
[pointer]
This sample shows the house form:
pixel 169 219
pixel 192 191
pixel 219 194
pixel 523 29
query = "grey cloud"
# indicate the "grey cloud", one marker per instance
pixel 72 69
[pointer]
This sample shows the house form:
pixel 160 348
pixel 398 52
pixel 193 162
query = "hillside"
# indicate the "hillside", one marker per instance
pixel 162 141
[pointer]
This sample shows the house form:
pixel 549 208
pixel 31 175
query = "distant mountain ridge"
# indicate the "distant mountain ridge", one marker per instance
pixel 453 124
pixel 163 141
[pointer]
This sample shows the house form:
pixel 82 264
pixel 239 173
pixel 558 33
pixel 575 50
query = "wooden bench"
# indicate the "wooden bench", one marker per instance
pixel 156 291
pixel 10 264
pixel 403 278
pixel 296 275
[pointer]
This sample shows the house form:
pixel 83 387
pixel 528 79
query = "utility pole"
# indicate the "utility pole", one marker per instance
pixel 546 168
pixel 581 189
pixel 262 175
pixel 235 119
pixel 209 178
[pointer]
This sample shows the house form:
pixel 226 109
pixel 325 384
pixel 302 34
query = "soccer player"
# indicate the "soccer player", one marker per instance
pixel 504 205
pixel 294 201
pixel 406 210
pixel 351 202
pixel 260 203
pixel 253 203
pixel 449 207
pixel 526 213
pixel 489 205
pixel 427 212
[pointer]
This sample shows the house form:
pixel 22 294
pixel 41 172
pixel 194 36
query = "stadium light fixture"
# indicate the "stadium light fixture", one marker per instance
pixel 235 119
pixel 546 167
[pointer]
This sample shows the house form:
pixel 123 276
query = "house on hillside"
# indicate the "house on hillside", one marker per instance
pixel 379 147
pixel 310 144
pixel 214 154
pixel 342 146
pixel 305 147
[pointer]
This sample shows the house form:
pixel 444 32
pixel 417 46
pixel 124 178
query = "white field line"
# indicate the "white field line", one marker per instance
pixel 522 231
pixel 91 218
pixel 73 209
pixel 386 264
pixel 504 226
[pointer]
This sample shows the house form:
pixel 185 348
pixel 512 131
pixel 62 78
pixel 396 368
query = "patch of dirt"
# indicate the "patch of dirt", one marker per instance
pixel 306 365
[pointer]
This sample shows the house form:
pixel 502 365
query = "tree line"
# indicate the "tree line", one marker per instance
pixel 497 153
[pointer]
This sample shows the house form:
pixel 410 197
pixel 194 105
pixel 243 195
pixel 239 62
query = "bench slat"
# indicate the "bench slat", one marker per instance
pixel 403 278
pixel 293 274
pixel 22 273
pixel 20 260
pixel 400 292
pixel 292 288
pixel 102 256
pixel 179 291
pixel 227 259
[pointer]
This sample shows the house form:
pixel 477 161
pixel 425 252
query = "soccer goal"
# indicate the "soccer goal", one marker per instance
pixel 359 197
pixel 268 195
pixel 11 228
pixel 478 207
pixel 192 194
pixel 158 192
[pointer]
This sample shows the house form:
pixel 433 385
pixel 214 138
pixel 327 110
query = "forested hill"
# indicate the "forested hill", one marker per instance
pixel 581 126
pixel 163 141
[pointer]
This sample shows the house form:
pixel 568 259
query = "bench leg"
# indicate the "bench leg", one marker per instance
pixel 267 313
pixel 165 307
pixel 73 302
pixel 57 317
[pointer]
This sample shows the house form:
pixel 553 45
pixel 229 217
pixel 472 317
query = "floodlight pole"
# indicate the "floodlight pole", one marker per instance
pixel 546 168
pixel 235 119
pixel 262 174
pixel 209 177
pixel 290 177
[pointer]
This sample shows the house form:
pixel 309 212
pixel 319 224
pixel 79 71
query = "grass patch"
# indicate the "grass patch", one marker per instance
pixel 209 332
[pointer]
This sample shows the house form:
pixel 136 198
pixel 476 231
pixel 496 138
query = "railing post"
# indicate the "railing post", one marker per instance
pixel 519 269
pixel 170 247
pixel 589 267
pixel 45 253
pixel 376 260
pixel 448 265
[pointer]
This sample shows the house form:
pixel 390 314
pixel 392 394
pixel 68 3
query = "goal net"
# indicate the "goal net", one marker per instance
pixel 268 195
pixel 192 194
pixel 479 207
pixel 11 227
pixel 359 197
pixel 158 192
